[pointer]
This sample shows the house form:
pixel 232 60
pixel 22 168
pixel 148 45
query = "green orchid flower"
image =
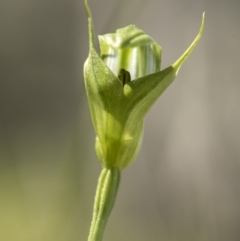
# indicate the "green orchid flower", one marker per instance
pixel 122 84
pixel 118 104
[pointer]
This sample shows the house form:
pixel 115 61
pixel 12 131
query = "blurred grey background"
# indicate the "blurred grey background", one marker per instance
pixel 184 185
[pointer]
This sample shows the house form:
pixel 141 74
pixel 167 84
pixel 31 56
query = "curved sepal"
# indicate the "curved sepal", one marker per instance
pixel 141 94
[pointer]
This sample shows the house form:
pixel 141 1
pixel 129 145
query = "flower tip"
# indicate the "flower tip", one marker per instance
pixel 180 61
pixel 90 24
pixel 203 21
pixel 89 15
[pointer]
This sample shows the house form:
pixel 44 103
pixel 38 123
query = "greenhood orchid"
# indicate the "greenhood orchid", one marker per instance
pixel 122 84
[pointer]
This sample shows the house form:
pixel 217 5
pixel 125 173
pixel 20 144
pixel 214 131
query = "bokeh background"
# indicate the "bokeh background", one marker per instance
pixel 184 185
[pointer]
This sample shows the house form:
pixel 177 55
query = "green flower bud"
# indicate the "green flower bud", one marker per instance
pixel 118 104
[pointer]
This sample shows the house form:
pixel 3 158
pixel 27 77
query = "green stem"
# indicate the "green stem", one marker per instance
pixel 106 193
